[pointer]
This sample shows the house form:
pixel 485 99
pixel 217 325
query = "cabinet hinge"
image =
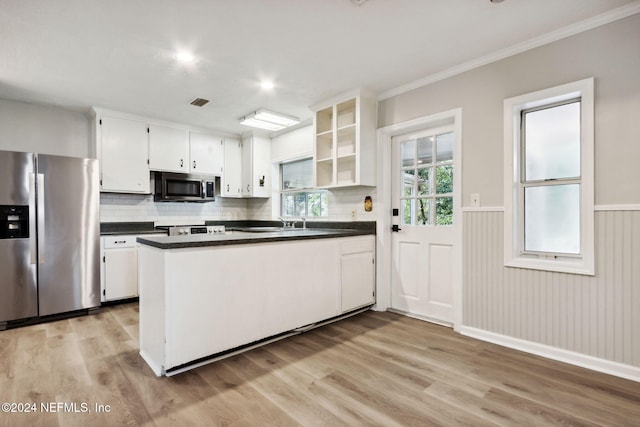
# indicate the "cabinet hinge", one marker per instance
pixel 148 130
pixel 104 292
pixel 101 183
pixel 104 259
pixel 148 161
pixel 100 121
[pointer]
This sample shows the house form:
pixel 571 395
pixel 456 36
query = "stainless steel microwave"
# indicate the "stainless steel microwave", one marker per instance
pixel 182 187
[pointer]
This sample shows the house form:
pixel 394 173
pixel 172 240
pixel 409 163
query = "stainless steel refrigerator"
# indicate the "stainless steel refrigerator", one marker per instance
pixel 49 236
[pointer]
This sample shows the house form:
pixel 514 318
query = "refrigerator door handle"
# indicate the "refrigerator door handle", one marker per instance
pixel 32 218
pixel 41 219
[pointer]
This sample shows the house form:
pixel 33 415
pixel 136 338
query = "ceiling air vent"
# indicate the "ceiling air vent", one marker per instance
pixel 200 102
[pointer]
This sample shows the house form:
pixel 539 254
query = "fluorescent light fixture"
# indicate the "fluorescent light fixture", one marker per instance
pixel 269 120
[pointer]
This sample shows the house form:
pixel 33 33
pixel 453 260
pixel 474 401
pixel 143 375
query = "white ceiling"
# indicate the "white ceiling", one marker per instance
pixel 119 54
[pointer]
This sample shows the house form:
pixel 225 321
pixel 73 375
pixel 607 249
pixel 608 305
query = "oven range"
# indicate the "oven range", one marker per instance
pixel 182 230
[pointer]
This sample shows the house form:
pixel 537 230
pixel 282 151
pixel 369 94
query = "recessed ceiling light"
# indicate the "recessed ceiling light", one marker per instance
pixel 185 57
pixel 267 85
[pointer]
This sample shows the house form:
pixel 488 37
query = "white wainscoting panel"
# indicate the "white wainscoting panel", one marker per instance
pixel 597 316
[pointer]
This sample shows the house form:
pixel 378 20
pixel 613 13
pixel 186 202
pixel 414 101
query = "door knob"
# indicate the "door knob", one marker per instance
pixel 395 228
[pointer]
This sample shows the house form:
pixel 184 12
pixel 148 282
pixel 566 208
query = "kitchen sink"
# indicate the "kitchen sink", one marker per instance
pixel 267 229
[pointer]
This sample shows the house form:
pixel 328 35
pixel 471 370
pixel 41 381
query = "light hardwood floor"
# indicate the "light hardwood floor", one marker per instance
pixel 372 369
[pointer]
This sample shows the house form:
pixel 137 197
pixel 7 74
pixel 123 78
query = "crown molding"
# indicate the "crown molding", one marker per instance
pixel 570 30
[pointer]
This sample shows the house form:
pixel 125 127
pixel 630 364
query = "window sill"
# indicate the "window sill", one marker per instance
pixel 571 266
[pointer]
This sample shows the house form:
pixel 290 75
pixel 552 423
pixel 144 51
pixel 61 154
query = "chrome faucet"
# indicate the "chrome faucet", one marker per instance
pixel 286 224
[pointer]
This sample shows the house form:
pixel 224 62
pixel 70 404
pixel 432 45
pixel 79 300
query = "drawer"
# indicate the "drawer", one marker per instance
pixel 353 245
pixel 112 242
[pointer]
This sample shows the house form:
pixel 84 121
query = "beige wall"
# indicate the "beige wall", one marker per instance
pixel 590 320
pixel 610 53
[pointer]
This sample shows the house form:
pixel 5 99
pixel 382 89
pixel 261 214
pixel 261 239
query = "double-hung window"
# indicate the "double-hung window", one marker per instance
pixel 549 179
pixel 296 197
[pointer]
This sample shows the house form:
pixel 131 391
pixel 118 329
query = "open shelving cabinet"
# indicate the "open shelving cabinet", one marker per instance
pixel 344 143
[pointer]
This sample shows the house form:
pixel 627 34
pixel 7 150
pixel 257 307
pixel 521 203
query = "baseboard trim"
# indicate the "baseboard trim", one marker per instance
pixel 483 209
pixel 578 359
pixel 421 317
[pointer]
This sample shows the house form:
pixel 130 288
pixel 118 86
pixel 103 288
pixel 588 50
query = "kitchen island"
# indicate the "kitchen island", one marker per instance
pixel 206 296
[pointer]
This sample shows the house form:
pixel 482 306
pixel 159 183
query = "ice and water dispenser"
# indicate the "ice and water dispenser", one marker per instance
pixel 14 222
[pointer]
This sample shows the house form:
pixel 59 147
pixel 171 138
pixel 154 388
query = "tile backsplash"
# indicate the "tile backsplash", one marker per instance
pixel 345 204
pixel 133 208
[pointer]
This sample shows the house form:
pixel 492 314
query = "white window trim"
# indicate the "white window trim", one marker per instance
pixel 585 263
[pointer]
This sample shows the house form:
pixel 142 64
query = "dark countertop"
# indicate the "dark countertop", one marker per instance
pixel 122 228
pixel 242 237
pixel 332 225
pixel 128 228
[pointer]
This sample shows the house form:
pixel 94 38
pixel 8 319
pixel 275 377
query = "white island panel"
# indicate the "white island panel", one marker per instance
pixel 217 298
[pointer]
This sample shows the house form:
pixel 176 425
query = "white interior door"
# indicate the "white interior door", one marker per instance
pixel 424 247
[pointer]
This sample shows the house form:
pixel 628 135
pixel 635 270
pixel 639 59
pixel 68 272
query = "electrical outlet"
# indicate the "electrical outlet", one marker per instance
pixel 475 200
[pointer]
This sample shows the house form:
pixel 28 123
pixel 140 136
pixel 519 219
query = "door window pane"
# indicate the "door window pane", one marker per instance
pixel 425 150
pixel 444 151
pixel 423 210
pixel 552 142
pixel 444 210
pixel 444 179
pixel 408 152
pixel 407 211
pixel 552 219
pixel 408 182
pixel 424 187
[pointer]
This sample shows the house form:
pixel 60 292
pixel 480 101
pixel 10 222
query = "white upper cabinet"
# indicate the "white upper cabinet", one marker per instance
pixel 168 149
pixel 124 155
pixel 206 154
pixel 256 167
pixel 247 167
pixel 344 141
pixel 232 177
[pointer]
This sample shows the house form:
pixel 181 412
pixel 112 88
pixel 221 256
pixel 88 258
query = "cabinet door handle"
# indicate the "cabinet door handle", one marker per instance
pixel 227 188
pixel 194 164
pixel 181 162
pixel 247 188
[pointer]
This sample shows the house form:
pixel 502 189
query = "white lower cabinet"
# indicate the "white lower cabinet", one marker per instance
pixel 197 302
pixel 357 273
pixel 119 267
